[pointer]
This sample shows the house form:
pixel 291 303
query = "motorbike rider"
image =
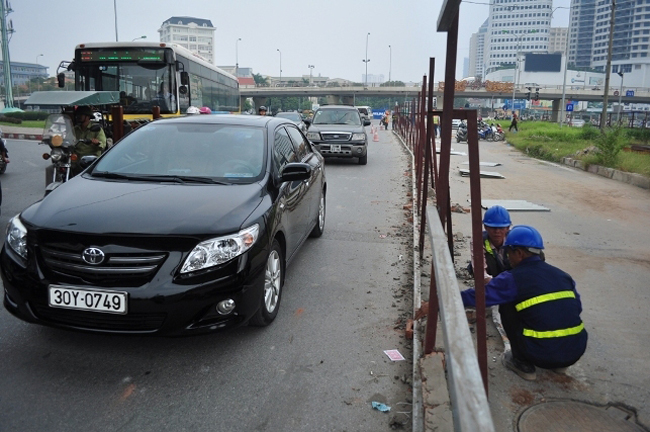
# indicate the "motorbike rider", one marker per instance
pixel 262 110
pixel 3 149
pixel 82 131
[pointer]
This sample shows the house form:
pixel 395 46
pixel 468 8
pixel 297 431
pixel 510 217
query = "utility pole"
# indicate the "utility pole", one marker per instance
pixel 6 61
pixel 608 68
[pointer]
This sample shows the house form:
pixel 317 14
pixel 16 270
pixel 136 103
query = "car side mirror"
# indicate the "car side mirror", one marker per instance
pixel 87 161
pixel 295 172
pixel 185 78
pixel 366 122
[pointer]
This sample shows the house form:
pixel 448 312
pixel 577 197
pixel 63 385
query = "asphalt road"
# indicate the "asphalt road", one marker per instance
pixel 597 231
pixel 317 368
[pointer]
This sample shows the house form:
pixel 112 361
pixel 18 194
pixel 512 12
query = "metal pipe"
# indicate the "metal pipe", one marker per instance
pixel 608 67
pixel 620 96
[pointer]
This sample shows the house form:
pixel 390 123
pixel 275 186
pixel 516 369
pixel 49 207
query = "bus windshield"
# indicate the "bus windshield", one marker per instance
pixel 142 85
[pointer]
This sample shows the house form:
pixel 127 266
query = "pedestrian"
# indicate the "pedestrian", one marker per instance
pixel 436 126
pixel 394 120
pixel 513 124
pixel 540 308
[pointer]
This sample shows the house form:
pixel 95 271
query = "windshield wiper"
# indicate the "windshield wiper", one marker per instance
pixel 158 178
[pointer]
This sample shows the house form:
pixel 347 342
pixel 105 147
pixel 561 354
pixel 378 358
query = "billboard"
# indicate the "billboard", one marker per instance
pixel 543 62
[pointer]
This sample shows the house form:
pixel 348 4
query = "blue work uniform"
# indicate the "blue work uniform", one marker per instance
pixel 540 311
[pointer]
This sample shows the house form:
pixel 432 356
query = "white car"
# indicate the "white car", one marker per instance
pixel 577 122
pixel 455 123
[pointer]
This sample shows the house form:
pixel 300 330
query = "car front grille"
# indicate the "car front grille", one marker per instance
pixel 136 268
pixel 131 322
pixel 336 136
pixel 325 149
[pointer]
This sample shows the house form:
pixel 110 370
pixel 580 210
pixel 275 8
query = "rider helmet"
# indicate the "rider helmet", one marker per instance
pixel 525 236
pixel 192 110
pixel 262 108
pixel 497 217
pixel 205 110
pixel 85 111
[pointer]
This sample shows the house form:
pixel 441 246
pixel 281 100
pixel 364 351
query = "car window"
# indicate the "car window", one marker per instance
pixel 223 152
pixel 290 115
pixel 337 116
pixel 283 152
pixel 300 143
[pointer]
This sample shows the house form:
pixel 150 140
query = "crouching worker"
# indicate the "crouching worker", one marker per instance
pixel 540 308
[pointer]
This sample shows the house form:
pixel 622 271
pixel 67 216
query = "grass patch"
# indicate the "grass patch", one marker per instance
pixel 27 124
pixel 549 142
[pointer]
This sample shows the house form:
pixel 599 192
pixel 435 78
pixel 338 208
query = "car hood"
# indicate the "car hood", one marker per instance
pixel 103 206
pixel 336 128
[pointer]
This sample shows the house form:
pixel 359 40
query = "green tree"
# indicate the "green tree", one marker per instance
pixel 392 84
pixel 260 81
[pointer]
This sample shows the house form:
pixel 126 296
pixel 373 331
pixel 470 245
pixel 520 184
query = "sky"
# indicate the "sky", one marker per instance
pixel 329 34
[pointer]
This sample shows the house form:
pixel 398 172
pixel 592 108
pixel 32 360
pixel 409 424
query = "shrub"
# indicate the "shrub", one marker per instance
pixel 29 115
pixel 642 135
pixel 589 132
pixel 610 143
pixel 7 119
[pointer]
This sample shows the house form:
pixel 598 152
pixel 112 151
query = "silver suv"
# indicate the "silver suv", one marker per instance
pixel 338 131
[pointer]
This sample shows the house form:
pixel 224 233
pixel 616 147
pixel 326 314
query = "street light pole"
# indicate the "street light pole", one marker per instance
pixel 280 83
pixel 237 57
pixel 311 68
pixel 366 60
pixel 608 67
pixel 140 37
pixel 620 96
pixel 38 82
pixel 390 61
pixel 115 11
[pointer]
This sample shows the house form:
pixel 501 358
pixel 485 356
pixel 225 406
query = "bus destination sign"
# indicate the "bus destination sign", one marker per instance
pixel 122 55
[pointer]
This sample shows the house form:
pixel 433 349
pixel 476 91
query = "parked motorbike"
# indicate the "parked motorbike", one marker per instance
pixel 485 132
pixel 60 137
pixel 498 133
pixel 461 132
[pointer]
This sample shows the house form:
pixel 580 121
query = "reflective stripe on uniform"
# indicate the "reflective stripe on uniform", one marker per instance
pixel 554 333
pixel 544 298
pixel 488 248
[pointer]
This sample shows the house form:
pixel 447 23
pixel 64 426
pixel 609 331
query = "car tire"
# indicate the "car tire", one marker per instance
pixel 363 160
pixel 320 217
pixel 272 293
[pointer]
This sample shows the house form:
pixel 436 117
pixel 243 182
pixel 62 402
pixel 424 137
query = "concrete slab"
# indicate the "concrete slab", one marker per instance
pixel 484 174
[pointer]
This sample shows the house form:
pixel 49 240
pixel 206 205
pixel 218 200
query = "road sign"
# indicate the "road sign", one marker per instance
pixel 569 107
pixel 629 92
pixel 615 92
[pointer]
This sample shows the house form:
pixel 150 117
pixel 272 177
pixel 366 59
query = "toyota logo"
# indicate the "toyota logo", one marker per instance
pixel 93 256
pixel 335 136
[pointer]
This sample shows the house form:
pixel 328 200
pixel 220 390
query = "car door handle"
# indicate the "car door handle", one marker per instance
pixel 281 206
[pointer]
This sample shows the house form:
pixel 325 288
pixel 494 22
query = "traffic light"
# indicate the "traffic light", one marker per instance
pixel 537 94
pixel 528 94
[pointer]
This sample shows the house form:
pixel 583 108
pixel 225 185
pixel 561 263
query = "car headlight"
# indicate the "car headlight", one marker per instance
pixel 313 135
pixel 210 253
pixel 358 137
pixel 17 236
pixel 56 154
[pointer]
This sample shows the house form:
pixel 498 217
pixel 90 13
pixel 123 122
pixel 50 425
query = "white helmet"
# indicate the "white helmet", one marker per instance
pixel 192 110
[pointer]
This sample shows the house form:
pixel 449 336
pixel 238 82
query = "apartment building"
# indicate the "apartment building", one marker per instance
pixel 195 34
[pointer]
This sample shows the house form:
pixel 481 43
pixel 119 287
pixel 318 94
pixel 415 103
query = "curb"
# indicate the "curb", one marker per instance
pixel 610 173
pixel 23 136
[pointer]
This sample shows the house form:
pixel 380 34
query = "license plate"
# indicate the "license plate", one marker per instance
pixel 88 299
pixel 335 149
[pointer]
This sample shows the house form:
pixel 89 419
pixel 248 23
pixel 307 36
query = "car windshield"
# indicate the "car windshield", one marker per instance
pixel 293 116
pixel 210 153
pixel 337 116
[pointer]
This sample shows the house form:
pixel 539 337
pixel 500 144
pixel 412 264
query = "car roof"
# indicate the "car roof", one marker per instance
pixel 229 119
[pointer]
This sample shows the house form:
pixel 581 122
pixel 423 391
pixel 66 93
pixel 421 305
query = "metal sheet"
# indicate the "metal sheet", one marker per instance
pixel 452 152
pixel 485 174
pixel 514 205
pixel 490 164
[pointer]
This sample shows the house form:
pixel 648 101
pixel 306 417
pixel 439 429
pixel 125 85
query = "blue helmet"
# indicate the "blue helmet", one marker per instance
pixel 525 236
pixel 497 217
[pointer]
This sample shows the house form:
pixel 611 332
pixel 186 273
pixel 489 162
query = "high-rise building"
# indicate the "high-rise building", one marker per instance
pixel 514 29
pixel 466 67
pixel 195 34
pixel 590 32
pixel 557 39
pixel 477 51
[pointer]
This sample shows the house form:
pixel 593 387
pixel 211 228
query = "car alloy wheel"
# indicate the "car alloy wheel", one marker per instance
pixel 273 280
pixel 320 218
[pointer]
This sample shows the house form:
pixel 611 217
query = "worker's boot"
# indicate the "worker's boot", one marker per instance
pixel 521 368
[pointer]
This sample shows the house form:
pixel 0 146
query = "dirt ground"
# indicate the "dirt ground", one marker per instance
pixel 597 231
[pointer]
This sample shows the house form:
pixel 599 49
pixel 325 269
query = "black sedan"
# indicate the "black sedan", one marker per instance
pixel 185 226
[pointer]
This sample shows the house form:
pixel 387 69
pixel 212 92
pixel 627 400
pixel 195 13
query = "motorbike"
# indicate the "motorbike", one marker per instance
pixel 60 137
pixel 498 133
pixel 485 132
pixel 461 132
